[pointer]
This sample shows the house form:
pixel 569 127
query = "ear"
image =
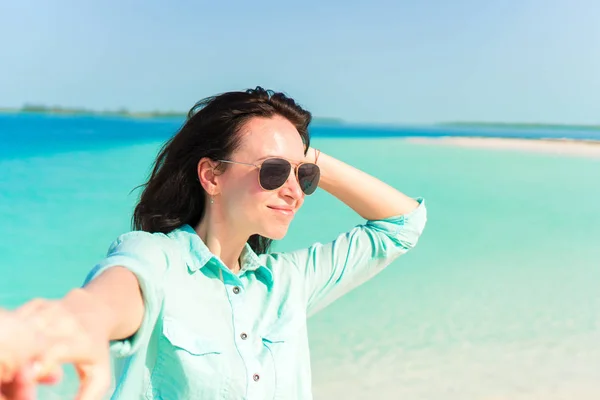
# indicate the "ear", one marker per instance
pixel 208 176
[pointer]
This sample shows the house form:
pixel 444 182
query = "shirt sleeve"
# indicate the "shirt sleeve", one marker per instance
pixel 143 254
pixel 333 269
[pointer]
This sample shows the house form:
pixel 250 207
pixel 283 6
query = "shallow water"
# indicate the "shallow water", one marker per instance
pixel 499 299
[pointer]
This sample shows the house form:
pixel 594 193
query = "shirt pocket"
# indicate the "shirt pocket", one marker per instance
pixel 185 339
pixel 188 365
pixel 282 344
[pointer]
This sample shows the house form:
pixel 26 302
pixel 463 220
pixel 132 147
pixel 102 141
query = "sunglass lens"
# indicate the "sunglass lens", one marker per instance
pixel 308 177
pixel 274 172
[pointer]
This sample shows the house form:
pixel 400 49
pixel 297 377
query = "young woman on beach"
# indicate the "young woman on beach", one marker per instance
pixel 192 304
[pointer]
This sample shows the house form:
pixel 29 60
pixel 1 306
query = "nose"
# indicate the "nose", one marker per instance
pixel 291 188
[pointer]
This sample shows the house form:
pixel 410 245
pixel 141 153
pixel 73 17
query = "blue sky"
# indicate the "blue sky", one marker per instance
pixel 399 62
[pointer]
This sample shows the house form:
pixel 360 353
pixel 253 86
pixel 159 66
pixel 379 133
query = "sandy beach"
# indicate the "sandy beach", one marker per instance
pixel 558 147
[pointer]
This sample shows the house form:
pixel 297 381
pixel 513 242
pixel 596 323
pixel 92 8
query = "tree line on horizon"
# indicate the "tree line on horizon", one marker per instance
pixel 40 108
pixel 44 109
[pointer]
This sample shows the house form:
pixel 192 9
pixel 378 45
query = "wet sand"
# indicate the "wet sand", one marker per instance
pixel 551 146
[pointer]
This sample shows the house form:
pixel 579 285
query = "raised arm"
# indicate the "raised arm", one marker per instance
pixel 371 198
pixel 394 225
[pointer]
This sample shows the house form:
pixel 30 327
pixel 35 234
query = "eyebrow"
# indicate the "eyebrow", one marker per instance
pixel 277 156
pixel 269 156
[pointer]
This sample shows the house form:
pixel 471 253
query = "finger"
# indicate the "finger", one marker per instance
pixel 30 307
pixel 22 386
pixel 56 355
pixel 50 376
pixel 23 337
pixel 76 351
pixel 95 382
pixel 17 346
pixel 40 315
pixel 66 344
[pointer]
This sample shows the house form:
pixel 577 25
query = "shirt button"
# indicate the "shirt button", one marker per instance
pixel 236 290
pixel 256 377
pixel 244 336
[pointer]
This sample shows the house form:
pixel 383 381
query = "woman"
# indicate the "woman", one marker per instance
pixel 192 303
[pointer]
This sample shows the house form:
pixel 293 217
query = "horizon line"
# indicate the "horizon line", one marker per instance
pixel 124 112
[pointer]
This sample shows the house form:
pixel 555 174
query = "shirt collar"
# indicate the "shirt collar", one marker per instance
pixel 197 255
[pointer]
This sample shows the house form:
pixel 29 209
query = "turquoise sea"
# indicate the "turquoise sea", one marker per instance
pixel 499 300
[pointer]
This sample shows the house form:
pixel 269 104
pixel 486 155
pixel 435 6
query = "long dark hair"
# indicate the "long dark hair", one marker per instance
pixel 173 196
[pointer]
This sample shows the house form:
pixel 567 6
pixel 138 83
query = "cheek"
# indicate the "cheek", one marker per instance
pixel 244 195
pixel 239 185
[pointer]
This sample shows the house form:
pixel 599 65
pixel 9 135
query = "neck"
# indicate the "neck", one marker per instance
pixel 221 239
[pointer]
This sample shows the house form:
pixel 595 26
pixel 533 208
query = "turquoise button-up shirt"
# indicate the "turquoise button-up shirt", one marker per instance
pixel 208 333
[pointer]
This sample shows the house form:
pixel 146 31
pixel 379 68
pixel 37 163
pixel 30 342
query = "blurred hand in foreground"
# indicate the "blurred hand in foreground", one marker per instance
pixel 39 337
pixel 19 346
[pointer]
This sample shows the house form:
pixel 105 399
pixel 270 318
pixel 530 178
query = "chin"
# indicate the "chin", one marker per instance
pixel 275 233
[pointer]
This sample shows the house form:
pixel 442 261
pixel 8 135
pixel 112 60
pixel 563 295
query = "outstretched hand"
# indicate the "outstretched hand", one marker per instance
pixel 19 346
pixel 39 337
pixel 22 384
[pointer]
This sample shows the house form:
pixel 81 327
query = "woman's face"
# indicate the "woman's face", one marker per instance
pixel 243 202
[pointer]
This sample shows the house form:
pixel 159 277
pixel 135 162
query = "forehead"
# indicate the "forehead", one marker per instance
pixel 275 136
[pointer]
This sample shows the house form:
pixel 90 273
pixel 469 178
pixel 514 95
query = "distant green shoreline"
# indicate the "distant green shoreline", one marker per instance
pixel 63 111
pixel 508 125
pixel 85 112
pixel 72 112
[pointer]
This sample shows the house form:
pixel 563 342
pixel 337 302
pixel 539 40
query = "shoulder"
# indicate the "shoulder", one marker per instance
pixel 145 245
pixel 140 238
pixel 283 265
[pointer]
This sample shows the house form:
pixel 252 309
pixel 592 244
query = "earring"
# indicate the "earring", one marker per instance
pixel 212 201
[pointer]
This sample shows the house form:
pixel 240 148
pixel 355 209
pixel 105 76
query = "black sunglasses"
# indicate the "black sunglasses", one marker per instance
pixel 274 172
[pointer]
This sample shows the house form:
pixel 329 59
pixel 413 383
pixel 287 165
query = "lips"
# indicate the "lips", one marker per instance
pixel 283 209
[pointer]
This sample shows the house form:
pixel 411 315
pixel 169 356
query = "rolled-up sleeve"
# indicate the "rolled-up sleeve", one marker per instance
pixel 143 254
pixel 333 269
